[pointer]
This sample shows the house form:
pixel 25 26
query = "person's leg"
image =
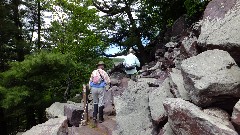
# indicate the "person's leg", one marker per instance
pixel 101 104
pixel 95 102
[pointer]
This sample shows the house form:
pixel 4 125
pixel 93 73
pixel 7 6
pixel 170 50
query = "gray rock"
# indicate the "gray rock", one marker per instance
pixel 177 84
pixel 211 77
pixel 55 110
pixel 171 44
pixel 189 45
pixel 187 119
pixel 236 116
pixel 166 130
pixel 156 98
pixel 220 27
pixel 223 116
pixel 74 114
pixel 56 126
pixel 132 109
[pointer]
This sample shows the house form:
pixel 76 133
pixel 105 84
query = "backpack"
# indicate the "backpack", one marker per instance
pixel 97 79
pixel 130 67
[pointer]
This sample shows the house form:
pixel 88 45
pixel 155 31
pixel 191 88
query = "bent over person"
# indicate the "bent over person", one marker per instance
pixel 98 80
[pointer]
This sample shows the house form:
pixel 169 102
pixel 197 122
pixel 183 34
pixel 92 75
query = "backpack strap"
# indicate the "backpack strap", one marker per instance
pixel 100 75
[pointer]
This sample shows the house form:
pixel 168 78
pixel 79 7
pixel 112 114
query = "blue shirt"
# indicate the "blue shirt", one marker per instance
pixel 100 85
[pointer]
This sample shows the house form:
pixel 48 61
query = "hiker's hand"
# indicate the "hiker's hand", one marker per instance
pixel 107 87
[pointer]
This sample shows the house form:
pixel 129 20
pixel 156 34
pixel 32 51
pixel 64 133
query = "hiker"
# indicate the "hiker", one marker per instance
pixel 98 81
pixel 130 63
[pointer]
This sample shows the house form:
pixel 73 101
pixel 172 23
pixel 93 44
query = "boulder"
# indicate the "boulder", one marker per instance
pixel 132 109
pixel 220 27
pixel 109 108
pixel 176 84
pixel 55 110
pixel 218 8
pixel 236 116
pixel 179 26
pixel 212 77
pixel 223 116
pixel 189 46
pixel 74 114
pixel 56 126
pixel 156 98
pixel 187 119
pixel 166 130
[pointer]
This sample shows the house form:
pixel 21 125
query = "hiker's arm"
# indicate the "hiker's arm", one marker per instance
pixel 137 62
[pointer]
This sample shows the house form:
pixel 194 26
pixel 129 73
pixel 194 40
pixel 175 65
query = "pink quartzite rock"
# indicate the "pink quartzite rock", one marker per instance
pixel 73 113
pixel 211 77
pixel 187 119
pixel 220 27
pixel 218 8
pixel 236 116
pixel 166 130
pixel 156 98
pixel 223 116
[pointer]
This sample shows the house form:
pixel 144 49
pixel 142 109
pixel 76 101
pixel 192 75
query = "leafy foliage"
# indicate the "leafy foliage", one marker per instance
pixel 195 6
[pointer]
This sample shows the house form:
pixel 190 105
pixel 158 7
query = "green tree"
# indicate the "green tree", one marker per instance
pixel 131 22
pixel 30 86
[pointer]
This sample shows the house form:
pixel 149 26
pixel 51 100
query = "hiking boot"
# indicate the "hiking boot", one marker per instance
pixel 95 111
pixel 101 119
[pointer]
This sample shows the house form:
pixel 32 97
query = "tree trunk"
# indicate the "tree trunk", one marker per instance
pixel 3 123
pixel 18 35
pixel 39 24
pixel 136 35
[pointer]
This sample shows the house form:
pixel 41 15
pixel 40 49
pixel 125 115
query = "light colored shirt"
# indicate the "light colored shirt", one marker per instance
pixel 130 60
pixel 104 75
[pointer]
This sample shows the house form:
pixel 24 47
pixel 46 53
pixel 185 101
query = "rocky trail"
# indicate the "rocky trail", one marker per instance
pixel 192 88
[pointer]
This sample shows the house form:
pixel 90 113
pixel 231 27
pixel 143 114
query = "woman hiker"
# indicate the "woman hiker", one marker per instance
pixel 98 80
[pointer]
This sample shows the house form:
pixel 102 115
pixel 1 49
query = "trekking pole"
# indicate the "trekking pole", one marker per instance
pixel 85 105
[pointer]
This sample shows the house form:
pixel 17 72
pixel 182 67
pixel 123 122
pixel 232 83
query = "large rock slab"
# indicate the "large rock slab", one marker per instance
pixel 132 109
pixel 220 27
pixel 55 110
pixel 187 119
pixel 156 98
pixel 177 84
pixel 74 114
pixel 236 116
pixel 211 77
pixel 56 126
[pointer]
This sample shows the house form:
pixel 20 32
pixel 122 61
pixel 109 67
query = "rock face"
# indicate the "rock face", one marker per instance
pixel 156 98
pixel 55 110
pixel 73 113
pixel 220 27
pixel 176 84
pixel 211 77
pixel 56 126
pixel 236 116
pixel 132 110
pixel 187 119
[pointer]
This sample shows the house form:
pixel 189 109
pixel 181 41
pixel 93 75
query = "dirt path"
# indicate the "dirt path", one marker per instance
pixel 105 128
